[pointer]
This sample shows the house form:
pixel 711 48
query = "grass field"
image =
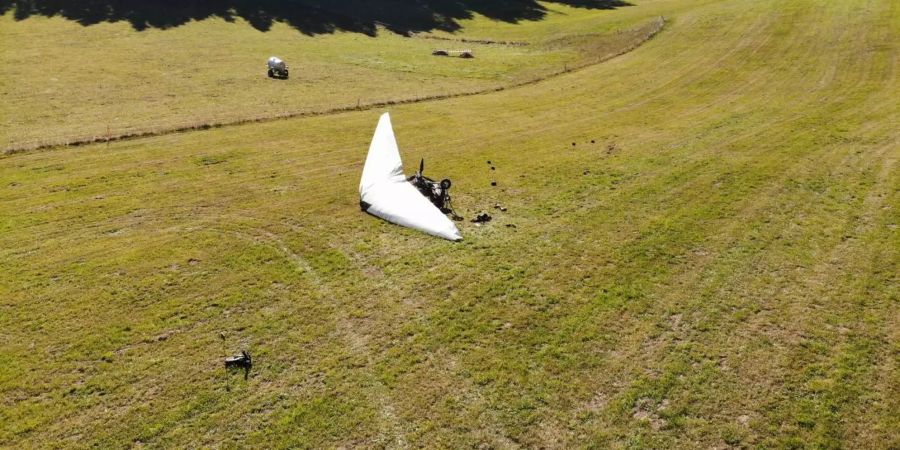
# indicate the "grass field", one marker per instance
pixel 62 82
pixel 705 253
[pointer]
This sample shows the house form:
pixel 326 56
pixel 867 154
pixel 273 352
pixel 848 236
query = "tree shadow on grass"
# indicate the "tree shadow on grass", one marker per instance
pixel 310 17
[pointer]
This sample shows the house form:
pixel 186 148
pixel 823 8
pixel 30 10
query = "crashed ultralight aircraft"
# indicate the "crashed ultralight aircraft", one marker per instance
pixel 386 193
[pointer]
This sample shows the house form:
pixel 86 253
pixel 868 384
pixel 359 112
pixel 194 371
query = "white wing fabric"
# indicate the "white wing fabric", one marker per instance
pixel 385 193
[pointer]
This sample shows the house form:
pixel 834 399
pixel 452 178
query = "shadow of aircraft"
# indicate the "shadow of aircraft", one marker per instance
pixel 310 17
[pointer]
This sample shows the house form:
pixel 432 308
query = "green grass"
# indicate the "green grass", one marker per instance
pixel 62 82
pixel 719 268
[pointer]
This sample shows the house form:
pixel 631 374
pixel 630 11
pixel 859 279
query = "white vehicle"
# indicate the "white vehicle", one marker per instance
pixel 277 68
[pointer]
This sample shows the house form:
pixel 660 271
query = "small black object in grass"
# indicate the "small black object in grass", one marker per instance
pixel 242 361
pixel 592 141
pixel 482 218
pixel 493 168
pixel 239 361
pixel 573 144
pixel 511 225
pixel 493 183
pixel 500 207
pixel 489 161
pixel 586 172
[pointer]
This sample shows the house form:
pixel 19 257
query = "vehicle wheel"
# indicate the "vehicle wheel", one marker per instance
pixel 271 73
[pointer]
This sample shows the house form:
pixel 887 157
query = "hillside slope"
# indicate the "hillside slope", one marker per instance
pixel 61 81
pixel 705 254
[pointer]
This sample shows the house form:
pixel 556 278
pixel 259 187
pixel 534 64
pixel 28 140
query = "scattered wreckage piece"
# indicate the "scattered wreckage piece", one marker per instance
pixel 437 192
pixel 242 361
pixel 386 193
pixel 482 218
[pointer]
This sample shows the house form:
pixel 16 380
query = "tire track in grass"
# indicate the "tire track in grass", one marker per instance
pixel 851 339
pixel 353 332
pixel 696 274
pixel 551 264
pixel 692 274
pixel 263 237
pixel 767 195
